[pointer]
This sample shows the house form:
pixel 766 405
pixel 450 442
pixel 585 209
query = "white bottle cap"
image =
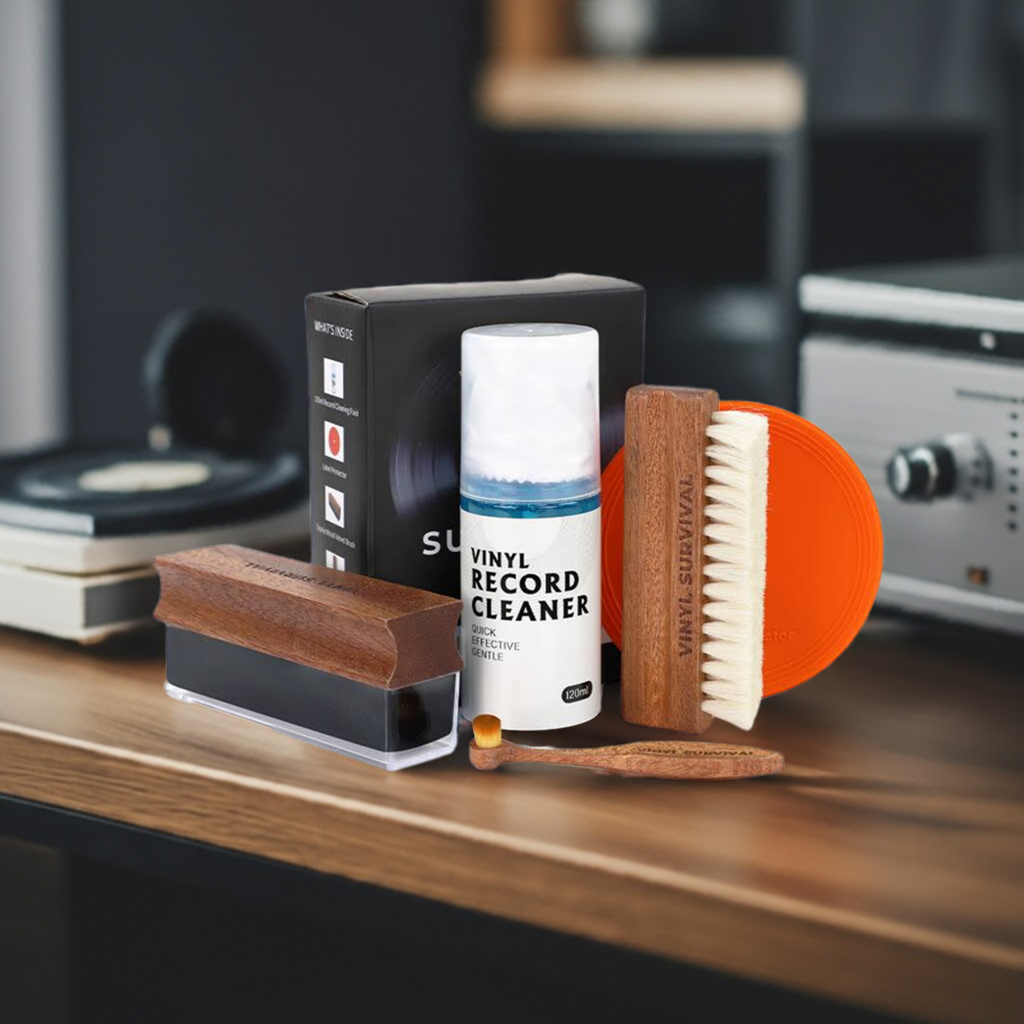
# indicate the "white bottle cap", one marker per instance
pixel 530 407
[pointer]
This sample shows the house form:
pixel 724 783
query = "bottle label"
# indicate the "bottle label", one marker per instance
pixel 531 619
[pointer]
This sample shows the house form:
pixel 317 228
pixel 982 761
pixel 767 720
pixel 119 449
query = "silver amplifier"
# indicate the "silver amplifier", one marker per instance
pixel 918 372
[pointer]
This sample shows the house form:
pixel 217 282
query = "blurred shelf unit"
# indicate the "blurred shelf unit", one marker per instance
pixel 678 161
pixel 706 96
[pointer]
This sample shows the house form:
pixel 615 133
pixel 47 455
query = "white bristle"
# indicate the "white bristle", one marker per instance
pixel 736 508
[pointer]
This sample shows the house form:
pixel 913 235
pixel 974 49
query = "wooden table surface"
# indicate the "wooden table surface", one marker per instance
pixel 885 867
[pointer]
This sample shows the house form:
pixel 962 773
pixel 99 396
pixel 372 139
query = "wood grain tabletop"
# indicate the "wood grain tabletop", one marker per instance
pixel 884 867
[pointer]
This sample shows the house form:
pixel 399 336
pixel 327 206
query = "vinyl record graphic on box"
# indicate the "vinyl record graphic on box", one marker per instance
pixel 424 464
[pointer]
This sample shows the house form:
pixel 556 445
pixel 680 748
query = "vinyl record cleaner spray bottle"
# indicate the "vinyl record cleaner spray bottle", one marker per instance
pixel 531 525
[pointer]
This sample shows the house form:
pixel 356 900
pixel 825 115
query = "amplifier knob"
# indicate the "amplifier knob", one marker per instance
pixel 922 472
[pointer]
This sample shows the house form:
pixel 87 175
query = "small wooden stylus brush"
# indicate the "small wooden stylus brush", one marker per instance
pixel 663 759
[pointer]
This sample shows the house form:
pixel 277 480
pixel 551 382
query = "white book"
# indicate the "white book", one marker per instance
pixel 83 608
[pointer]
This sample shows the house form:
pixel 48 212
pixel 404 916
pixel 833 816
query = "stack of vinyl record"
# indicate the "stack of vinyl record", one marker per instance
pixel 79 528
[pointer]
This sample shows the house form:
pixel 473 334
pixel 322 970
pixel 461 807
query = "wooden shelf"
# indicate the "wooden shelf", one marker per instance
pixel 884 867
pixel 711 96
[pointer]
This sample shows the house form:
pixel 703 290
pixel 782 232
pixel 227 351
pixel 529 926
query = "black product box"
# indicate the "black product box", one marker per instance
pixel 384 409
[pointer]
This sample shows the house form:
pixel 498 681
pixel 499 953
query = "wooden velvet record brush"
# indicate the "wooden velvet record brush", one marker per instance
pixel 734 565
pixel 660 759
pixel 360 666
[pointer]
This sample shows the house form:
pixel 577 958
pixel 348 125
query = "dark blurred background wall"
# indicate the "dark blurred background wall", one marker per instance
pixel 241 155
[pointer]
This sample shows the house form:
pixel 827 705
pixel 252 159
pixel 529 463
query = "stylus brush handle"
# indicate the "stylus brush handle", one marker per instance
pixel 656 760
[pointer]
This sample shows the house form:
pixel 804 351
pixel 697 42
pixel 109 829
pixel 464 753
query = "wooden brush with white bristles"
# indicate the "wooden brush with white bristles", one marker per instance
pixel 661 759
pixel 694 543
